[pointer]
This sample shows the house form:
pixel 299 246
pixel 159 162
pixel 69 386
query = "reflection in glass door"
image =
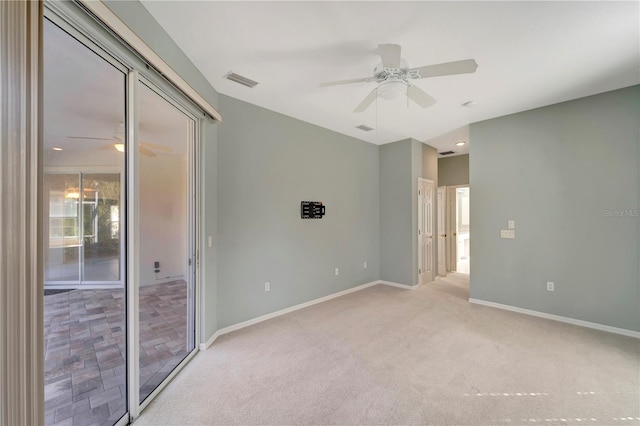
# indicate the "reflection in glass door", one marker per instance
pixel 82 230
pixel 84 301
pixel 117 182
pixel 166 284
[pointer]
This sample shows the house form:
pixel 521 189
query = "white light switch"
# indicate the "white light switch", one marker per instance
pixel 210 241
pixel 508 234
pixel 511 224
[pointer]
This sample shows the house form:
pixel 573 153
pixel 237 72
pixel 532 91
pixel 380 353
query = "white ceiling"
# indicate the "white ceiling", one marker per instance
pixel 530 54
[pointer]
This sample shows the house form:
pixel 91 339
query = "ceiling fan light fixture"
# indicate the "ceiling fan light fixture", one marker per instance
pixel 119 147
pixel 392 89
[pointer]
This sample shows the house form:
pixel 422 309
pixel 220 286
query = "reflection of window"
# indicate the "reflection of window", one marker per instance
pixel 63 216
pixel 115 221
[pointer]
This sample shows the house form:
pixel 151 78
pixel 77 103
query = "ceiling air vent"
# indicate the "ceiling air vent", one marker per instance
pixel 240 79
pixel 364 128
pixel 447 153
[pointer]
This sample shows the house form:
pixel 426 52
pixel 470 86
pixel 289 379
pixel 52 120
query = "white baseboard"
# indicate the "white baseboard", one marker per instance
pixel 234 327
pixel 595 326
pixel 404 286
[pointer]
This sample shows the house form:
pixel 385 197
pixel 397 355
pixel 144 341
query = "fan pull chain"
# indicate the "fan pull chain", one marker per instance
pixel 377 114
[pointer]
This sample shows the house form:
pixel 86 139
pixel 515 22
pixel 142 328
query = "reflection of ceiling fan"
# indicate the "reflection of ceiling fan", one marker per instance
pixel 145 148
pixel 393 76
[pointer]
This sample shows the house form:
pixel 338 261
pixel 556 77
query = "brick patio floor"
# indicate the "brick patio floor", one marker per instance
pixel 85 350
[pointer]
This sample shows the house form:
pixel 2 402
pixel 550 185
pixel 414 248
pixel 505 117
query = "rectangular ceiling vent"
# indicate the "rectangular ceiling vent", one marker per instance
pixel 240 79
pixel 447 153
pixel 364 128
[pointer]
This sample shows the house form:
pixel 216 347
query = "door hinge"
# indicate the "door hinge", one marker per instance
pixel 419 270
pixel 189 261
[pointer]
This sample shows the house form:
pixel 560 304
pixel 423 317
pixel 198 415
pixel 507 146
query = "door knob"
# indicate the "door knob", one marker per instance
pixel 443 235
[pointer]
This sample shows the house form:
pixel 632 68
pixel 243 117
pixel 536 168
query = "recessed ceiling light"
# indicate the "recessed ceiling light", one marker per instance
pixel 461 143
pixel 55 148
pixel 469 104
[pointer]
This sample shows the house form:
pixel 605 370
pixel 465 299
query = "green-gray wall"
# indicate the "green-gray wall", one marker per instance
pixel 267 164
pixel 401 164
pixel 453 170
pixel 568 175
pixel 396 227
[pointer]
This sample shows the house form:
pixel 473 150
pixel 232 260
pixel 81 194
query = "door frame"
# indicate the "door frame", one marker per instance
pixel 79 25
pixel 441 219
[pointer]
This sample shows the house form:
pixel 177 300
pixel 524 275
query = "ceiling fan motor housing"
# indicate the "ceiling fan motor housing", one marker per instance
pixel 382 73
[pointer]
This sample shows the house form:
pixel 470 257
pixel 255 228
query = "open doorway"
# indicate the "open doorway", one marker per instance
pixel 458 229
pixel 462 230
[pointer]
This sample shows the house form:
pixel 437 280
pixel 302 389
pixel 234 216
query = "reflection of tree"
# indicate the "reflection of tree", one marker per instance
pixel 108 190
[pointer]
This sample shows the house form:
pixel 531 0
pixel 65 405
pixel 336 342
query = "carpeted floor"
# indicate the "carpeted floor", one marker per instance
pixel 385 355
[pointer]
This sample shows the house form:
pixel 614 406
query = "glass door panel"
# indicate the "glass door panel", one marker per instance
pixel 84 322
pixel 101 225
pixel 166 319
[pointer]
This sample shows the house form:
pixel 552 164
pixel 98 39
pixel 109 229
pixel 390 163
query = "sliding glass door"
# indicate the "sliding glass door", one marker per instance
pixel 166 302
pixel 85 310
pixel 118 230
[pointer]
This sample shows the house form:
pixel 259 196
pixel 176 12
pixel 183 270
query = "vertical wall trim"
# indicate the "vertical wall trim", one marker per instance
pixel 21 291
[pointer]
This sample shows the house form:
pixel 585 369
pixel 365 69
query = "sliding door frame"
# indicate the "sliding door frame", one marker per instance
pixel 97 37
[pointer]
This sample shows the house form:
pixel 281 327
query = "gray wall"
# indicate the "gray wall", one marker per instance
pixel 396 226
pixel 401 164
pixel 453 170
pixel 267 164
pixel 209 228
pixel 561 172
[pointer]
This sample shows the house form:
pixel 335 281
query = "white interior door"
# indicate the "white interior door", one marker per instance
pixel 442 231
pixel 425 230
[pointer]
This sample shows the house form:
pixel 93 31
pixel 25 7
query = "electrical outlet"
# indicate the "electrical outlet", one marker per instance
pixel 337 271
pixel 364 265
pixel 550 286
pixel 511 224
pixel 267 286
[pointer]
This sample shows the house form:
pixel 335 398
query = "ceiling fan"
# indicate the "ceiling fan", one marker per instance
pixel 394 73
pixel 145 148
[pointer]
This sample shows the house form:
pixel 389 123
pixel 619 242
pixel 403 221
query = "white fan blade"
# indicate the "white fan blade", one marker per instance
pixel 86 137
pixel 418 96
pixel 155 146
pixel 367 101
pixel 390 54
pixel 465 66
pixel 353 80
pixel 147 152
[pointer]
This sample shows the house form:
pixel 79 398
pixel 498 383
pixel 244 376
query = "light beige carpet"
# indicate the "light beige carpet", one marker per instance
pixel 385 355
